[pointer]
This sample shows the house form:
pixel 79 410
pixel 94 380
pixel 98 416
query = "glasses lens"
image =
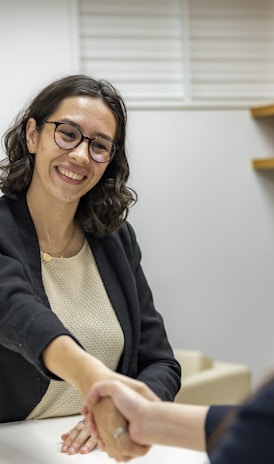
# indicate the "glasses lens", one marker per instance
pixel 67 136
pixel 101 150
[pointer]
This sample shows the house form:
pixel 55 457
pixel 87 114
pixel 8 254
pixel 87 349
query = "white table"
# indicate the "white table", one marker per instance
pixel 38 442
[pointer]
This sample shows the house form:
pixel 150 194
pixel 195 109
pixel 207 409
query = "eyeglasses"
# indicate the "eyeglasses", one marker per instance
pixel 67 136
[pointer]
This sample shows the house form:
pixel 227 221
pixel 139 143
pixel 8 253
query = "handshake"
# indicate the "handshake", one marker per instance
pixel 127 419
pixel 116 417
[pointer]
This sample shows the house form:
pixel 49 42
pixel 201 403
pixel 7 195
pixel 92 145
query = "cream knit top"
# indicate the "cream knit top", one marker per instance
pixel 77 295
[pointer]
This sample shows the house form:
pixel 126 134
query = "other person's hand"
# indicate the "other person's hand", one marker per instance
pixel 112 431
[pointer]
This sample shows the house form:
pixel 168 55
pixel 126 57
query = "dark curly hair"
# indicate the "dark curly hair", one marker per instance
pixel 105 207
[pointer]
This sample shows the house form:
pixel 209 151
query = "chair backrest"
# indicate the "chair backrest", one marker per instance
pixel 192 361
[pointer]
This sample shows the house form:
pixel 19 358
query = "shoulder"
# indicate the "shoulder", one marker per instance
pixel 120 246
pixel 17 230
pixel 6 216
pixel 11 206
pixel 123 237
pixel 4 206
pixel 13 211
pixel 126 234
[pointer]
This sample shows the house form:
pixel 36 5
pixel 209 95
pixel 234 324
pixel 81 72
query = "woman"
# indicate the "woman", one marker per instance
pixel 231 435
pixel 75 304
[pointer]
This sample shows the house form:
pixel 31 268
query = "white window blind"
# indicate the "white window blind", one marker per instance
pixel 231 50
pixel 137 45
pixel 181 52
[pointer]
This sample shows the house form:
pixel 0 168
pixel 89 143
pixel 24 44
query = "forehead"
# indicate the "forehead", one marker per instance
pixel 90 113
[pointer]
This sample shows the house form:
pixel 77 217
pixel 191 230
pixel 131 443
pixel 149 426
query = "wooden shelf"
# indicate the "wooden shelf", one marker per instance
pixel 262 111
pixel 263 164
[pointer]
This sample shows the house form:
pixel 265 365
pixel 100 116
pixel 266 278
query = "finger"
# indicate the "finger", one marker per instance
pixel 99 390
pixel 89 445
pixel 75 430
pixel 81 444
pixel 142 389
pixel 101 444
pixel 122 448
pixel 128 447
pixel 79 439
pixel 70 436
pixel 92 424
pixel 84 411
pixel 65 435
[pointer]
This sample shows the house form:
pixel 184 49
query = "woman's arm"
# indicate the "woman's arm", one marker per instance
pixel 154 422
pixel 66 359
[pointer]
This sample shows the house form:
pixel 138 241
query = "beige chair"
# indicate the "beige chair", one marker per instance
pixel 205 381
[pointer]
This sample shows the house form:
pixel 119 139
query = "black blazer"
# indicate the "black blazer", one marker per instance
pixel 27 324
pixel 250 436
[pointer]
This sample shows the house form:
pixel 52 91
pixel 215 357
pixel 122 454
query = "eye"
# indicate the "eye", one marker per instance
pixel 68 133
pixel 101 145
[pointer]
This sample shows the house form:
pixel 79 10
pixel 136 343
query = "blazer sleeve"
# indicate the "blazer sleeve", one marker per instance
pixel 157 366
pixel 249 438
pixel 27 325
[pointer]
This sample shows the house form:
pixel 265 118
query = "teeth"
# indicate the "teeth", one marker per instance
pixel 71 175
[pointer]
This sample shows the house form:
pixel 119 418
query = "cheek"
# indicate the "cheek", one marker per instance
pixel 46 153
pixel 46 147
pixel 43 157
pixel 98 173
pixel 99 170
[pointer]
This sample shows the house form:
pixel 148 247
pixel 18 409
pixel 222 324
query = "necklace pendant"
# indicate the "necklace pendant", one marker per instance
pixel 46 257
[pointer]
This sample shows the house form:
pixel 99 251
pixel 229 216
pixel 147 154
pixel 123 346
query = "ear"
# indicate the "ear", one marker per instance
pixel 31 135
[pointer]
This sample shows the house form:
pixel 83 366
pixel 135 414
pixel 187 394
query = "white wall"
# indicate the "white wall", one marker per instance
pixel 37 44
pixel 205 219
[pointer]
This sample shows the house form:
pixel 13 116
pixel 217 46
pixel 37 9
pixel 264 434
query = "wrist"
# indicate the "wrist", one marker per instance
pixel 66 359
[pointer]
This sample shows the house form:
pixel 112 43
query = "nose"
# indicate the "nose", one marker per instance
pixel 81 152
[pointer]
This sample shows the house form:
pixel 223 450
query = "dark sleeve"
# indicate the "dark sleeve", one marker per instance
pixel 27 325
pixel 157 366
pixel 250 437
pixel 215 417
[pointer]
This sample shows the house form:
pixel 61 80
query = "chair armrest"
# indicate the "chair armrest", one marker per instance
pixel 223 383
pixel 192 361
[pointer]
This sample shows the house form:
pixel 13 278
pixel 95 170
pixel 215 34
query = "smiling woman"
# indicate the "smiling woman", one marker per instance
pixel 75 304
pixel 63 155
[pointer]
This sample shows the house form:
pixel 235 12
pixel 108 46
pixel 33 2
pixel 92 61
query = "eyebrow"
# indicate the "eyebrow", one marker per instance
pixel 75 124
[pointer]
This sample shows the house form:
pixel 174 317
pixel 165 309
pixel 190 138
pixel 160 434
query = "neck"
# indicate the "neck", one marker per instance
pixel 47 255
pixel 55 226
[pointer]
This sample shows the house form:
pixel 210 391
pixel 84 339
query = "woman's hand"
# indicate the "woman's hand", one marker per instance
pixel 78 439
pixel 112 432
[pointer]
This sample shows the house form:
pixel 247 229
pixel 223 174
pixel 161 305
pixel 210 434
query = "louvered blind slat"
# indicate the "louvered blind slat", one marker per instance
pixel 138 46
pixel 181 51
pixel 231 50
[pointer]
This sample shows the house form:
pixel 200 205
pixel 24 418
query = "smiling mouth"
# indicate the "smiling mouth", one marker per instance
pixel 69 174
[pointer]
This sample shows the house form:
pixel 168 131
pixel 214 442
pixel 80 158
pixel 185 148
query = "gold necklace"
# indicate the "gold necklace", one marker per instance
pixel 46 256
